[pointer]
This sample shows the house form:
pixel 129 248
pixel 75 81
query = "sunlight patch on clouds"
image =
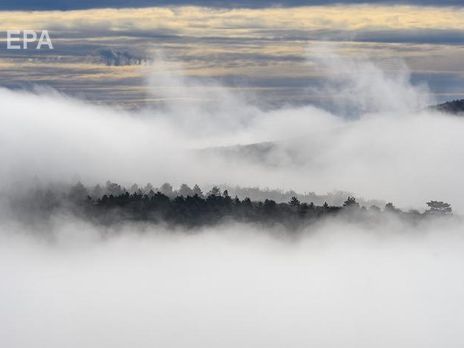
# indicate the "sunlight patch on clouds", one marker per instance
pixel 207 22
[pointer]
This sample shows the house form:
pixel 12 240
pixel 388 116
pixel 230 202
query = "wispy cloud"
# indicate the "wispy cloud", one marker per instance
pixel 209 22
pixel 76 4
pixel 246 48
pixel 391 140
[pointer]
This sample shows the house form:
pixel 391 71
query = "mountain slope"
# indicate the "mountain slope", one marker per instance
pixel 455 107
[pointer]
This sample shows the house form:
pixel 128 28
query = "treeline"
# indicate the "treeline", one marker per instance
pixel 335 198
pixel 453 107
pixel 253 193
pixel 191 207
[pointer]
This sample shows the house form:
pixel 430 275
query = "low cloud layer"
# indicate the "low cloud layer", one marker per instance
pixel 340 282
pixel 340 285
pixel 380 141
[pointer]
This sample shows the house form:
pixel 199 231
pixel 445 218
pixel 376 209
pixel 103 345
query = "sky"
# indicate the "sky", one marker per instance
pixel 153 92
pixel 85 4
pixel 104 50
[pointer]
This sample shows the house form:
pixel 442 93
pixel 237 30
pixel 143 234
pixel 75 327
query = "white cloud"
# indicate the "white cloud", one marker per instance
pixel 341 285
pixel 394 152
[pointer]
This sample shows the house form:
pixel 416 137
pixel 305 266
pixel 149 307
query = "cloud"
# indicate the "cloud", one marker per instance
pixel 235 285
pixel 260 49
pixel 72 283
pixel 393 149
pixel 365 87
pixel 239 23
pixel 73 4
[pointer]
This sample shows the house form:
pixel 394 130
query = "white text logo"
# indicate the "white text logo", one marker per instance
pixel 28 39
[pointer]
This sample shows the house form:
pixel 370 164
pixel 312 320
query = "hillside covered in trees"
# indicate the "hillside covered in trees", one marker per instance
pixel 455 107
pixel 191 207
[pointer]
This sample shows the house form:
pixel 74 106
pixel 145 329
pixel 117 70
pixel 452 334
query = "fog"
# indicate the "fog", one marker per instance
pixel 339 285
pixel 380 145
pixel 70 283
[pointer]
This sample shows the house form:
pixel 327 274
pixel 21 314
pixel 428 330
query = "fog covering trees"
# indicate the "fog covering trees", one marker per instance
pixel 374 274
pixel 190 208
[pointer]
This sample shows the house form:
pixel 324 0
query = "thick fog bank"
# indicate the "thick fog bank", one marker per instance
pixel 341 285
pixel 380 141
pixel 407 158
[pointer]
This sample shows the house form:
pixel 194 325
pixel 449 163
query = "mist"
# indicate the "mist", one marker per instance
pixel 339 282
pixel 390 147
pixel 338 285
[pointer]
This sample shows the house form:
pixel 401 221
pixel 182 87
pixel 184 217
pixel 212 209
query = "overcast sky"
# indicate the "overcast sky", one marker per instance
pixel 103 51
pixel 86 4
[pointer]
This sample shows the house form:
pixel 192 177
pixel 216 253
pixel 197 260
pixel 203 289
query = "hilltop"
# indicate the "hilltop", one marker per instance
pixel 455 107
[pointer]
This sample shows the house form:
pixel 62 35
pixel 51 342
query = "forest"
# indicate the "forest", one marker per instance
pixel 192 208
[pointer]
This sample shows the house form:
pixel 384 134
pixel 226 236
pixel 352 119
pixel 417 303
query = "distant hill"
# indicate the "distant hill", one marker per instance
pixel 455 107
